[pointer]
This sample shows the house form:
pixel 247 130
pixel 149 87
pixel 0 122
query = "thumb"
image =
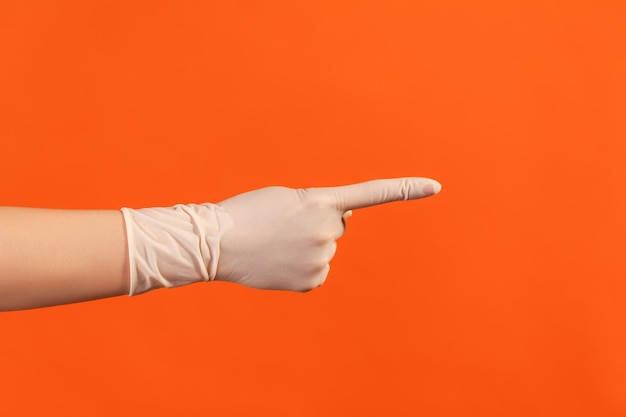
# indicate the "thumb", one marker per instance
pixel 375 192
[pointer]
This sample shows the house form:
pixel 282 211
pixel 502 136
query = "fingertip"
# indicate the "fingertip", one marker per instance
pixel 432 188
pixel 436 187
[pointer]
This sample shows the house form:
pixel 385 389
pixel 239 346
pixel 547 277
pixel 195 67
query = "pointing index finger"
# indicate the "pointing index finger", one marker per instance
pixel 375 192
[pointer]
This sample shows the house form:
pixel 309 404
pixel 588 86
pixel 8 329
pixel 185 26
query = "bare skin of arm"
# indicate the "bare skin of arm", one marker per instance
pixel 53 256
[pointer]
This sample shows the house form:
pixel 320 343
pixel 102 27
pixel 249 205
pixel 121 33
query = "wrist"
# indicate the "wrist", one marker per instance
pixel 172 246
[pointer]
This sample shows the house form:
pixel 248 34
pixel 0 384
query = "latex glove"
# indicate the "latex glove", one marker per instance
pixel 272 238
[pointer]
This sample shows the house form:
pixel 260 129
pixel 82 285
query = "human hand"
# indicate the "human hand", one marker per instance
pixel 283 239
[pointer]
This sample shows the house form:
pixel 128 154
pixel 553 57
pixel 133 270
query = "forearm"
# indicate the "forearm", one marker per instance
pixel 52 256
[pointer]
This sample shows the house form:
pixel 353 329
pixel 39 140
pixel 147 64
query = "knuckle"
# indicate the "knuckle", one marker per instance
pixel 317 280
pixel 332 251
pixel 316 198
pixel 407 189
pixel 324 237
pixel 321 278
pixel 404 189
pixel 317 266
pixel 329 234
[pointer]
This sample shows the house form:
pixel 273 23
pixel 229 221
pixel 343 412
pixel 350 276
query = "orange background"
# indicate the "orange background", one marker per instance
pixel 505 295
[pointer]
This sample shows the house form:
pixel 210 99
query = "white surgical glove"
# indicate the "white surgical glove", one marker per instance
pixel 271 238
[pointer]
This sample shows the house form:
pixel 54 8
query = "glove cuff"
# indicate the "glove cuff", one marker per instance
pixel 172 246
